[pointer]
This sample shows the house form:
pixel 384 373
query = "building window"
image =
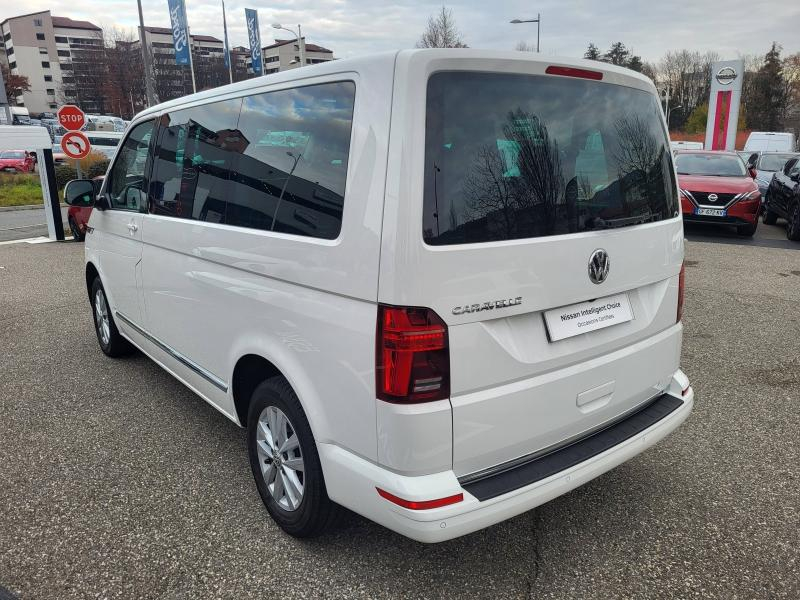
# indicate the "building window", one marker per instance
pixel 63 53
pixel 9 51
pixel 48 78
pixel 45 64
pixel 42 50
pixel 51 91
pixel 53 105
pixel 39 36
pixel 66 66
pixel 61 40
pixel 37 22
pixel 7 36
pixel 12 64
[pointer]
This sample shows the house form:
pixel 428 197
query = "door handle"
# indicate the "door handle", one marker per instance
pixel 132 227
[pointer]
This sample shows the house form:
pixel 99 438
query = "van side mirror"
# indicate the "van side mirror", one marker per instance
pixel 752 171
pixel 79 192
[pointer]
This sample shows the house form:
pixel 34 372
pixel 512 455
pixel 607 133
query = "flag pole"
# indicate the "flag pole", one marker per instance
pixel 227 47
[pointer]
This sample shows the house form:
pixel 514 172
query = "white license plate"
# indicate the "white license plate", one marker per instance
pixel 710 212
pixel 584 317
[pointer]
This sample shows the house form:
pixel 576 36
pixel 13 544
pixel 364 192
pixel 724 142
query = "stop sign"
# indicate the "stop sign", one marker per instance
pixel 71 117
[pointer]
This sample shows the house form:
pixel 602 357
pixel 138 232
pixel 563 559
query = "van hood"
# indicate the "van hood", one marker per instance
pixel 725 185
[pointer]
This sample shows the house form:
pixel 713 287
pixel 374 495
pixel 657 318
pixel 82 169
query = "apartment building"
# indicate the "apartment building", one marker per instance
pixel 285 54
pixel 57 55
pixel 172 80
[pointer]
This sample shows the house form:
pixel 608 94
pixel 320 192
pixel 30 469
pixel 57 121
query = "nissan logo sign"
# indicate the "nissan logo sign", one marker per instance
pixel 726 76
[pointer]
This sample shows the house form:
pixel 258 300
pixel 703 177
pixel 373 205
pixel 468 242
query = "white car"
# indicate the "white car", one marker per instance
pixel 438 287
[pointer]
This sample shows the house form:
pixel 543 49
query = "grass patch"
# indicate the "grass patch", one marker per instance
pixel 19 189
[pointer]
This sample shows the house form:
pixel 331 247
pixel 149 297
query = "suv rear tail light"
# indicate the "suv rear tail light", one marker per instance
pixel 412 359
pixel 681 284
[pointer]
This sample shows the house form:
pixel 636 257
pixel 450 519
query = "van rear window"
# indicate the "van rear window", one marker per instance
pixel 512 156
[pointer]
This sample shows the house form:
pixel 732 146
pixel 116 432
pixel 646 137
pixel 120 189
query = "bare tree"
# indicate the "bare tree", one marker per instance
pixel 687 74
pixel 441 32
pixel 525 47
pixel 124 72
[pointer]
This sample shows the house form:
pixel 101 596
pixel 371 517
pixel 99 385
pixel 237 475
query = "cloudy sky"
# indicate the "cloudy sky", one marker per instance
pixel 358 27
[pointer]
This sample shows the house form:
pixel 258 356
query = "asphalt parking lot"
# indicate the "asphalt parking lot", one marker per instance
pixel 118 482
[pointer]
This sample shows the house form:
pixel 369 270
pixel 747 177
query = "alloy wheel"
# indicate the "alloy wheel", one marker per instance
pixel 101 317
pixel 280 458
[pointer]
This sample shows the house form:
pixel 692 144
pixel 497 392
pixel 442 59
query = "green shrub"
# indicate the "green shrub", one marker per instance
pixel 97 169
pixel 64 173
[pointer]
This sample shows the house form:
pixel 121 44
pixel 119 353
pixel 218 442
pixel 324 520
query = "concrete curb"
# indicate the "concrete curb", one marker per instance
pixel 26 207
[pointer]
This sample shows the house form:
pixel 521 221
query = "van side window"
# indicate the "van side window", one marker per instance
pixel 126 185
pixel 291 174
pixel 196 153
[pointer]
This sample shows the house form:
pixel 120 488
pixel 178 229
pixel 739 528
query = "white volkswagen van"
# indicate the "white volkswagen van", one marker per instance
pixel 438 287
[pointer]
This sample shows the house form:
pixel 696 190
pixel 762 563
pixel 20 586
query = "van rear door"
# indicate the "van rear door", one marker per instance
pixel 542 225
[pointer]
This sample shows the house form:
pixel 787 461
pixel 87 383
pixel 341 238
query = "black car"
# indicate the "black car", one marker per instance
pixel 783 198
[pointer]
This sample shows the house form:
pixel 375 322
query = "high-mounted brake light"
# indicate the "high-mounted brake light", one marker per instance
pixel 412 359
pixel 681 279
pixel 573 72
pixel 421 504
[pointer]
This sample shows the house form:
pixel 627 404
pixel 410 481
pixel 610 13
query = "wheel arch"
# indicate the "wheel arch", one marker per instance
pixel 250 370
pixel 91 274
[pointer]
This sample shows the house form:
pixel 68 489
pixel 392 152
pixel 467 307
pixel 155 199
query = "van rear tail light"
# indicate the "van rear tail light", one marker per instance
pixel 681 285
pixel 412 359
pixel 573 72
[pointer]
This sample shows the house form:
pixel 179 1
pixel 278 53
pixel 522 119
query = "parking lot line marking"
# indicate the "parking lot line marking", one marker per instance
pixel 33 240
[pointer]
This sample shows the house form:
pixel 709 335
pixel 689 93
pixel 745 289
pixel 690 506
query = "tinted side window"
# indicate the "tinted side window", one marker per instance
pixel 197 150
pixel 126 178
pixel 291 174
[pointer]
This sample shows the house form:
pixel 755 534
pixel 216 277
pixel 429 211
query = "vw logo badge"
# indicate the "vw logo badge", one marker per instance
pixel 599 264
pixel 713 197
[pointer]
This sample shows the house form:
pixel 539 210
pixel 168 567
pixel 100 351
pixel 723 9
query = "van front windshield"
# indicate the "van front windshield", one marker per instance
pixel 512 156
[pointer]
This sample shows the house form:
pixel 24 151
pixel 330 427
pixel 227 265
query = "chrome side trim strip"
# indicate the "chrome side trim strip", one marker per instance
pixel 203 372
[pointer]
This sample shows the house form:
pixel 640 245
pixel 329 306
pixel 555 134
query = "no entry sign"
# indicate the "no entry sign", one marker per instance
pixel 71 117
pixel 75 145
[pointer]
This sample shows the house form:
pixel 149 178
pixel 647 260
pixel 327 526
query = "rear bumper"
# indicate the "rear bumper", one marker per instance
pixel 352 482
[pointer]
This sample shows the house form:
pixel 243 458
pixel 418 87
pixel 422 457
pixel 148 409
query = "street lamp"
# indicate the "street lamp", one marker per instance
pixel 537 20
pixel 300 41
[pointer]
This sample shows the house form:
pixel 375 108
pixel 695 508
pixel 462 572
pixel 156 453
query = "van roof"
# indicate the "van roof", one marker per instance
pixel 387 60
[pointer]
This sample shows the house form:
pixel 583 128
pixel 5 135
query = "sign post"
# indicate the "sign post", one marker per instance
pixel 71 118
pixel 723 104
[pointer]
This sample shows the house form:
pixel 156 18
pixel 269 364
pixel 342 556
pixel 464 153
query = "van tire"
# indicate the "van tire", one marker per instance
pixel 316 512
pixel 111 341
pixel 793 225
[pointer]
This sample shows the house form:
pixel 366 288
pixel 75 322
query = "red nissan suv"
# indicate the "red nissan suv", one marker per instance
pixel 717 188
